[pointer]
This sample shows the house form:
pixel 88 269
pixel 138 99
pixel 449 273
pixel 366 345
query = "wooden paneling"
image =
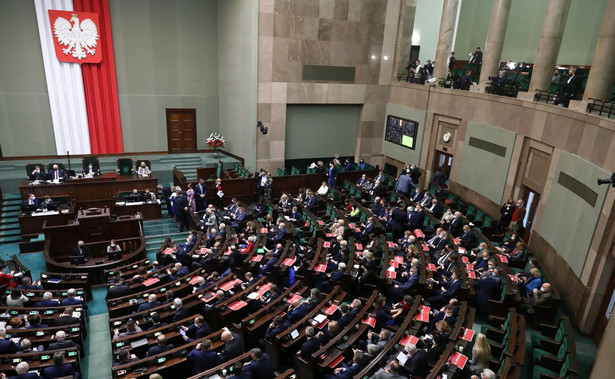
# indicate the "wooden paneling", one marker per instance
pixel 105 186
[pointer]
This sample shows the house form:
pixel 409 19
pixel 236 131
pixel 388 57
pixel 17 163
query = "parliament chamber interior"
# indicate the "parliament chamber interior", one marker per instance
pixel 307 189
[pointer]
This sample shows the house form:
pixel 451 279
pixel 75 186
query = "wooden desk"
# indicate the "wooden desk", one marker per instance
pixel 33 224
pixel 105 186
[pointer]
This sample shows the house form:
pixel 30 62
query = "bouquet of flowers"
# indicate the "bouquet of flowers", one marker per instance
pixel 215 141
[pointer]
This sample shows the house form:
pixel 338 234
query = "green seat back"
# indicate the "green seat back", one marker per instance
pixel 124 166
pixel 564 370
pixel 30 167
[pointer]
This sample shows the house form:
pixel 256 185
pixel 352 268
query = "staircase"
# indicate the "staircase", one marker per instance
pixel 187 165
pixel 9 223
pixel 156 231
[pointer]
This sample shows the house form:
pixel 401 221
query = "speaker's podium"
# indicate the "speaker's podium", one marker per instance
pixel 96 227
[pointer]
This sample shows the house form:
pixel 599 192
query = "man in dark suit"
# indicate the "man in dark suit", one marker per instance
pixel 447 315
pixel 315 299
pixel 311 200
pixel 466 81
pixel 436 209
pixel 398 221
pixel 119 290
pixel 71 299
pixel 260 365
pixel 448 289
pixel 399 289
pixel 296 311
pixel 277 326
pixel 332 175
pixel 346 372
pixel 160 347
pixel 57 173
pixel 182 212
pixel 60 369
pixel 569 89
pixel 438 177
pixel 485 288
pixel 404 184
pixel 456 226
pixel 82 251
pixel 363 181
pixel 232 345
pixel 418 195
pixel 30 204
pixel 166 196
pixel 346 317
pixel 151 303
pixel 48 204
pixel 47 301
pixel 414 173
pixel 311 345
pixel 66 318
pixel 62 342
pixel 36 174
pixel 7 346
pixel 416 218
pixel 22 370
pixel 416 363
pixel 198 330
pixel 202 358
pixel 200 195
pixel 180 312
pixel 468 238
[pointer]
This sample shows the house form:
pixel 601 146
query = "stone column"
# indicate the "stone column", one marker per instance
pixel 550 42
pixel 602 72
pixel 445 38
pixel 495 41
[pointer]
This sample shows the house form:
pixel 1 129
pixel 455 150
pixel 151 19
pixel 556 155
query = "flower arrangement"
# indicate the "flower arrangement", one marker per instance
pixel 215 140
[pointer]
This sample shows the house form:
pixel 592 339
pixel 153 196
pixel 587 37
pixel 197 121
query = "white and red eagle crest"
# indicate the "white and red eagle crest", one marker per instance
pixel 75 40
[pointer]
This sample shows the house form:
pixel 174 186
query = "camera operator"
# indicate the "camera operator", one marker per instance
pixel 499 82
pixel 428 69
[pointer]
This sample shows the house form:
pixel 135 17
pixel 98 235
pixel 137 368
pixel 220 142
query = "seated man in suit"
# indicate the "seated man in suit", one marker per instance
pixel 180 312
pixel 296 311
pixel 468 238
pixel 277 326
pixel 399 289
pixel 56 173
pixel 160 347
pixel 82 251
pixel 260 365
pixel 90 170
pixel 311 344
pixel 7 346
pixel 435 209
pixel 22 370
pixel 47 301
pixel 542 296
pixel 30 204
pixel 66 318
pixel 232 345
pixel 60 369
pixel 48 204
pixel 119 290
pixel 448 289
pixel 196 331
pixel 36 174
pixel 486 288
pixel 62 342
pixel 202 358
pixel 152 302
pixel 416 363
pixel 72 299
pixel 26 284
pixel 348 372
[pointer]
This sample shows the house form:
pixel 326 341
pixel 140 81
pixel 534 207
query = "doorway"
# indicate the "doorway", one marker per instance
pixel 445 162
pixel 181 130
pixel 606 311
pixel 530 199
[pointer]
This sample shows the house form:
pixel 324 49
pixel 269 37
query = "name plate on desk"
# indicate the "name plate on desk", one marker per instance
pixel 45 213
pixel 134 203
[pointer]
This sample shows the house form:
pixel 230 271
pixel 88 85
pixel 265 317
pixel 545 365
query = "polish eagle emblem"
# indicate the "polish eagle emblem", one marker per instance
pixel 79 39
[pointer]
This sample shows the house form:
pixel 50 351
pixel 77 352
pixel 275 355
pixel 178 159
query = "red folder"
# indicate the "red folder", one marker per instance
pixel 326 244
pixel 150 281
pixel 513 278
pixel 202 250
pixel 462 250
pixel 168 251
pixel 257 258
pixel 320 223
pixel 307 223
pixel 194 280
pixel 208 297
pixel 265 287
pixel 419 233
pixel 321 268
pixel 425 247
pixel 430 267
pixel 503 258
pixel 465 259
pixel 458 360
pixel 358 246
pixel 391 244
pixel 409 338
pixel 322 324
pixel 238 305
pixel 399 260
pixel 353 226
pixel 330 309
pixel 391 274
pixel 293 297
pixel 469 267
pixel 423 314
pixel 289 261
pixel 468 334
pixel 263 230
pixel 336 361
pixel 229 285
pixel 329 235
pixel 371 321
pixel 471 274
pixel 457 242
pixel 393 263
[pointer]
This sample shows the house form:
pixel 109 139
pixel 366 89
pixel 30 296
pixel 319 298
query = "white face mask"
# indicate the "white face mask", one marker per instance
pixel 112 245
pixel 542 289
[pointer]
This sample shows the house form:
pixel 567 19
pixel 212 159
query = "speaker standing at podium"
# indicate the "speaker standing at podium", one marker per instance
pixel 82 251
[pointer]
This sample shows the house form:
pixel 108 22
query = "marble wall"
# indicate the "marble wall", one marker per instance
pixel 357 33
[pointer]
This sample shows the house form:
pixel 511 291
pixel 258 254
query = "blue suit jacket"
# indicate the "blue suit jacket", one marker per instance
pixel 147 306
pixel 72 301
pixel 203 360
pixel 28 375
pixel 47 303
pixel 349 373
pixel 487 288
pixel 468 238
pixel 271 333
pixel 311 201
pixel 412 281
pixel 297 314
pixel 54 371
pixel 309 347
pixel 451 288
pixel 260 368
pixel 7 346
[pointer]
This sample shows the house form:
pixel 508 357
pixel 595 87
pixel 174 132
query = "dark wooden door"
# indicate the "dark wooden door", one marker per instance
pixel 606 311
pixel 530 199
pixel 181 130
pixel 445 162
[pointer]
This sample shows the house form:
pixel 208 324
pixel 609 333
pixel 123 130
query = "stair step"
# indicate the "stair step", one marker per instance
pixel 9 233
pixel 9 227
pixel 12 239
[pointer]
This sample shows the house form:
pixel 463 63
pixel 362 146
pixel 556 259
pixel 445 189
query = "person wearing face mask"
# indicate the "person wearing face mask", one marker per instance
pixel 516 223
pixel 532 282
pixel 486 288
pixel 506 212
pixel 538 296
pixel 30 204
pixel 114 251
pixel 48 204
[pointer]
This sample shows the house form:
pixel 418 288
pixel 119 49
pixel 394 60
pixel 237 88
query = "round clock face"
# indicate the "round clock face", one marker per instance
pixel 446 136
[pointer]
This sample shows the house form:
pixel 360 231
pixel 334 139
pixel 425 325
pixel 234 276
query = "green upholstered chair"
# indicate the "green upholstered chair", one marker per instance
pixel 124 166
